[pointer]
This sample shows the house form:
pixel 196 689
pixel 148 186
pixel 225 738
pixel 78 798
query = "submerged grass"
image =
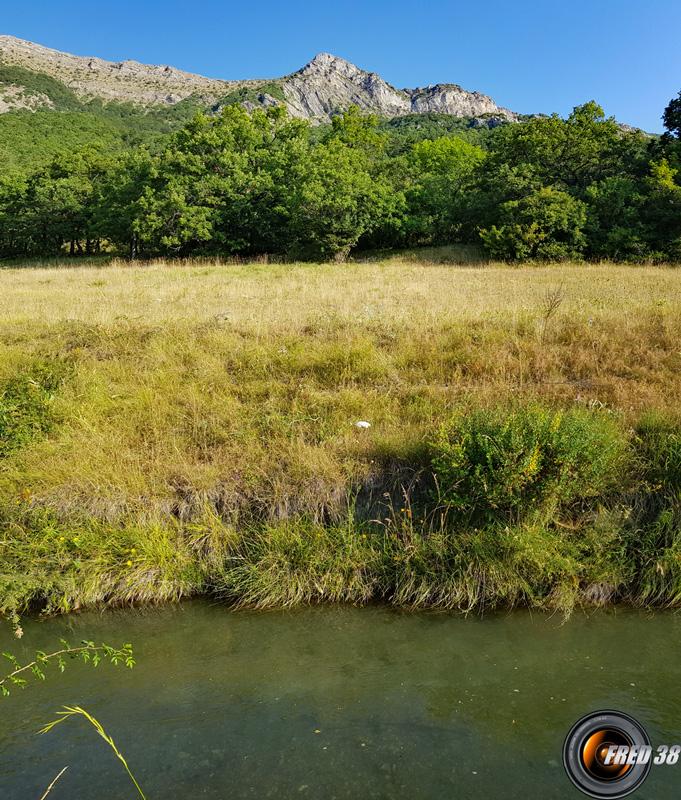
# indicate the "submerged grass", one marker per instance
pixel 168 430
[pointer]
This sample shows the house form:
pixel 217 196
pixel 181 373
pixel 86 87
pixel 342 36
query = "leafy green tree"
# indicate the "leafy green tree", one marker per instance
pixel 338 202
pixel 261 182
pixel 406 131
pixel 614 228
pixel 669 146
pixel 54 206
pixel 547 224
pixel 570 154
pixel 672 117
pixel 12 204
pixel 117 200
pixel 661 212
pixel 346 191
pixel 224 184
pixel 440 174
pixel 359 131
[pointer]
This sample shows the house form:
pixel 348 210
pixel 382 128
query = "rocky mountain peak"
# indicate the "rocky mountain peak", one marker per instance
pixel 325 85
pixel 326 61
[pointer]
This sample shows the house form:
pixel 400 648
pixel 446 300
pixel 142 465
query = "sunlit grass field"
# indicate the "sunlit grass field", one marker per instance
pixel 197 400
pixel 287 298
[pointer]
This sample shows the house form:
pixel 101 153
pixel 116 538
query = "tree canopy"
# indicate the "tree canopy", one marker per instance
pixel 260 182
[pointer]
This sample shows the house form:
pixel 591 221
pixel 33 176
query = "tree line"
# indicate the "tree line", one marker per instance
pixel 260 182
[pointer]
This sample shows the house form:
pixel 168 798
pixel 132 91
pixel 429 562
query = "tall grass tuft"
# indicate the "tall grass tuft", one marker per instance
pixel 69 712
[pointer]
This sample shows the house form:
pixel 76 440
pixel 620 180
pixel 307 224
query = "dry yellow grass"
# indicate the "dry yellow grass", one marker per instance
pixel 239 385
pixel 286 298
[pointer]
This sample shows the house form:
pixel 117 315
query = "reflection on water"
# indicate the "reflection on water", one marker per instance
pixel 338 703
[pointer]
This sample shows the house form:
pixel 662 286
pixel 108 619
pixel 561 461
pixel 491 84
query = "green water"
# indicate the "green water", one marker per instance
pixel 338 703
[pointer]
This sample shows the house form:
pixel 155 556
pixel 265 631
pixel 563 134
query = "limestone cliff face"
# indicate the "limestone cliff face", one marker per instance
pixel 448 98
pixel 323 87
pixel 329 83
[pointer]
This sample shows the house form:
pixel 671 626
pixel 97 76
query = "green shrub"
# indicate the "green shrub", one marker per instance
pixel 254 94
pixel 503 466
pixel 547 224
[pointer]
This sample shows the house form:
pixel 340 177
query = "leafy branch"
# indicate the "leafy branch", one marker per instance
pixel 87 652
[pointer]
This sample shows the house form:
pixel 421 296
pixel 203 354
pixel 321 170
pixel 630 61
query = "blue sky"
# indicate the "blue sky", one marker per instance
pixel 530 56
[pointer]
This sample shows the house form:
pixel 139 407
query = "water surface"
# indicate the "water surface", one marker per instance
pixel 337 703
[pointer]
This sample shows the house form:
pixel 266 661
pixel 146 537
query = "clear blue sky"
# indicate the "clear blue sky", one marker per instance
pixel 530 55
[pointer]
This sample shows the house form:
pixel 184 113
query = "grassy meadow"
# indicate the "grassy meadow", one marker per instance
pixel 173 429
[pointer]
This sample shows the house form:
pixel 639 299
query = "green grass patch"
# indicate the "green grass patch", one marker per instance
pixel 26 404
pixel 599 547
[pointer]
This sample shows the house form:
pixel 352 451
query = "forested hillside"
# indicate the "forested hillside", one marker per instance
pixel 106 178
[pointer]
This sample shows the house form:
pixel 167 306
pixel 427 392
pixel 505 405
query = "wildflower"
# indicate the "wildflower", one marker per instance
pixel 128 563
pixel 558 418
pixel 534 462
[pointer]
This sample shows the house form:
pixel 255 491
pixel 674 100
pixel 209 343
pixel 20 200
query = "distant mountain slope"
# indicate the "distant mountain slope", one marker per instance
pixel 125 81
pixel 34 77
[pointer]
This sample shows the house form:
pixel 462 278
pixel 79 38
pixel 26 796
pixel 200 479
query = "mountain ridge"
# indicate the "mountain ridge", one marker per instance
pixel 322 87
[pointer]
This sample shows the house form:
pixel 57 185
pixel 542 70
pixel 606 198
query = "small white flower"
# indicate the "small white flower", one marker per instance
pixel 362 424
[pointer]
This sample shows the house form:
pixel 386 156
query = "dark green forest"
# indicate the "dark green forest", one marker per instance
pixel 177 182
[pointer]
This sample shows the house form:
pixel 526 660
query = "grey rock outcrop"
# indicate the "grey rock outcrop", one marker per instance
pixel 328 84
pixel 448 98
